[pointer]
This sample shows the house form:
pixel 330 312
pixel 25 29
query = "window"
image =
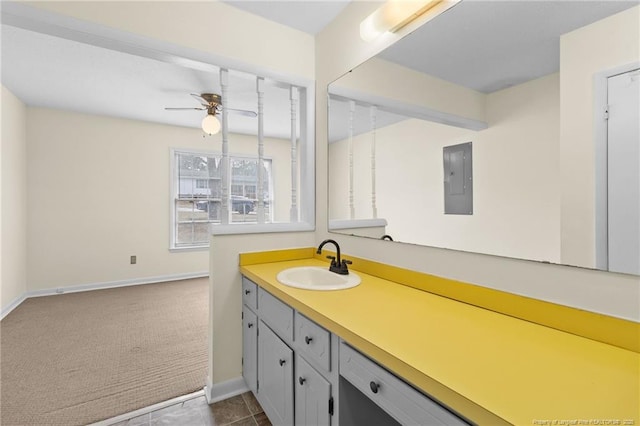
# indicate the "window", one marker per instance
pixel 261 177
pixel 197 195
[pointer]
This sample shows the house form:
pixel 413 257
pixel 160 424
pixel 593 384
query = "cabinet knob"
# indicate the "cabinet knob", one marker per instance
pixel 301 380
pixel 308 339
pixel 282 361
pixel 247 291
pixel 374 386
pixel 250 325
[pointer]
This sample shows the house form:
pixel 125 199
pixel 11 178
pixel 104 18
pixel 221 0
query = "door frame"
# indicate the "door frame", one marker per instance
pixel 600 131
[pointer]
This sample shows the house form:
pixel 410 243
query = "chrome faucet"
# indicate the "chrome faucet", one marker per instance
pixel 338 265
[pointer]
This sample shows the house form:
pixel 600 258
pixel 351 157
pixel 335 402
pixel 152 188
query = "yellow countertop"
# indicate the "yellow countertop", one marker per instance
pixel 489 367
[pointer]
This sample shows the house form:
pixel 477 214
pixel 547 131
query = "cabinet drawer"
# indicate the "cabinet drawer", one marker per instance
pixel 276 315
pixel 400 400
pixel 314 342
pixel 249 293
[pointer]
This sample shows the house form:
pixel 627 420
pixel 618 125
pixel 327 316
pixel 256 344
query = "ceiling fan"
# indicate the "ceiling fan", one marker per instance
pixel 212 103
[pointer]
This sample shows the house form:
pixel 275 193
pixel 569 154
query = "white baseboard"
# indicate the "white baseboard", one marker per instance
pixel 99 286
pixel 149 409
pixel 11 306
pixel 223 390
pixel 213 393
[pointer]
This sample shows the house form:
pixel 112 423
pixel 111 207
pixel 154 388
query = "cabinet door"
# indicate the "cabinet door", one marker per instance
pixel 275 376
pixel 250 348
pixel 313 394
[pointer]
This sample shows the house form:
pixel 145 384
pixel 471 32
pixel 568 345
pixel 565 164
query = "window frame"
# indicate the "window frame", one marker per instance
pixel 232 228
pixel 175 189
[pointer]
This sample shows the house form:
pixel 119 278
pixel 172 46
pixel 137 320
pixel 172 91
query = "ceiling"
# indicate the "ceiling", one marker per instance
pixel 307 16
pixel 489 45
pixel 483 45
pixel 54 72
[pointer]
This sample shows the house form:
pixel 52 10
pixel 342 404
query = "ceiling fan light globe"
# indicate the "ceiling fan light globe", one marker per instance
pixel 210 125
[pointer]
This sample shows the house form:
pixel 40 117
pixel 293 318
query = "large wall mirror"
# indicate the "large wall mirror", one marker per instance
pixel 542 96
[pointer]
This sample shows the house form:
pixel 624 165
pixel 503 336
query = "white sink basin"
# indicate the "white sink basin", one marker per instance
pixel 317 278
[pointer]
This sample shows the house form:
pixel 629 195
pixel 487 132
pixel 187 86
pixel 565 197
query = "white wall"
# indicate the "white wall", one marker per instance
pixel 100 192
pixel 515 175
pixel 415 88
pixel 13 151
pixel 601 46
pixel 339 49
pixel 226 302
pixel 208 26
pixel 239 38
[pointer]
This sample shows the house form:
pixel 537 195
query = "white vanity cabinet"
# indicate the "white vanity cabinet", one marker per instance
pixel 314 400
pixel 314 342
pixel 304 375
pixel 250 348
pixel 275 376
pixel 402 402
pixel 314 404
pixel 250 334
pixel 249 294
pixel 288 370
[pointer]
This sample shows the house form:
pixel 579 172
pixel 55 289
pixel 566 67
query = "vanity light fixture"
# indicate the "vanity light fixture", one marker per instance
pixel 394 15
pixel 210 124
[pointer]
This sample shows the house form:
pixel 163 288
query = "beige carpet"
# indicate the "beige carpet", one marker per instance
pixel 82 357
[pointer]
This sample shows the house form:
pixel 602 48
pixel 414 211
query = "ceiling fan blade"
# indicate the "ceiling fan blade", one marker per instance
pixel 243 112
pixel 200 99
pixel 185 109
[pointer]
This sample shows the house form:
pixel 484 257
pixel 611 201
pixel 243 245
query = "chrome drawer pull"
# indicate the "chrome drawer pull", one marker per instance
pixel 282 361
pixel 301 380
pixel 374 386
pixel 250 325
pixel 308 339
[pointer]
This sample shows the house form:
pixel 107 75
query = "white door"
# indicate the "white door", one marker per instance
pixel 623 158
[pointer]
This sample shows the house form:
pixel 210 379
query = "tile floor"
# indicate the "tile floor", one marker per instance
pixel 240 410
